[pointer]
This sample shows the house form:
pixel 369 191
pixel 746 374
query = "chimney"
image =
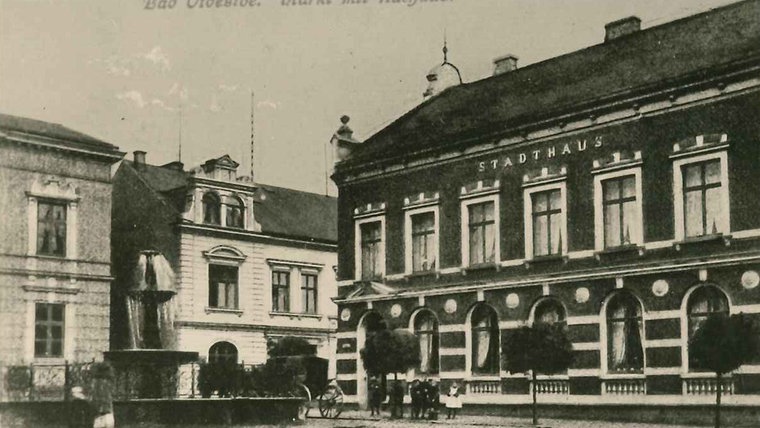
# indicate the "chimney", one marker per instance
pixel 139 157
pixel 504 64
pixel 621 27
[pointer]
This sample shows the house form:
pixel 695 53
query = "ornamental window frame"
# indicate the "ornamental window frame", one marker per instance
pixel 494 336
pixel 604 333
pixel 466 203
pixel 687 318
pixel 637 236
pixel 358 246
pixel 48 325
pixel 682 160
pixel 409 234
pixel 528 216
pixel 224 256
pixel 52 190
pixel 434 338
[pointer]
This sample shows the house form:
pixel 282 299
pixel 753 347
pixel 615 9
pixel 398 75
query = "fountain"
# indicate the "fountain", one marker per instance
pixel 149 367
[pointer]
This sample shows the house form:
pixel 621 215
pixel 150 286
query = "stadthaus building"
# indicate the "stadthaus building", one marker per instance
pixel 612 189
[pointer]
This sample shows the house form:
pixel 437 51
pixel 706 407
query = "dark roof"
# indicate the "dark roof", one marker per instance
pixel 59 132
pixel 280 211
pixel 628 65
pixel 295 213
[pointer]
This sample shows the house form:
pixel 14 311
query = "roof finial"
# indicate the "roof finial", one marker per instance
pixel 445 48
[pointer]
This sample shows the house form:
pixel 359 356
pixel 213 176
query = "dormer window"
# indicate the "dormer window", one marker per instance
pixel 234 215
pixel 211 208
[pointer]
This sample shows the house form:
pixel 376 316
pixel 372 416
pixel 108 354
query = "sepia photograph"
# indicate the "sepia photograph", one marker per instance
pixel 379 213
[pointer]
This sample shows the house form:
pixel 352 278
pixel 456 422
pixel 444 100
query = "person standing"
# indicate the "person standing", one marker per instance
pixel 453 401
pixel 102 395
pixel 375 396
pixel 81 414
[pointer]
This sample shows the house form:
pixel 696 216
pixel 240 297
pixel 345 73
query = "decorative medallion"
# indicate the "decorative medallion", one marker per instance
pixel 450 306
pixel 333 323
pixel 396 310
pixel 660 287
pixel 513 300
pixel 345 314
pixel 582 294
pixel 750 279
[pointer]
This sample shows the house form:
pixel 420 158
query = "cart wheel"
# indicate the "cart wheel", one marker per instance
pixel 303 410
pixel 331 403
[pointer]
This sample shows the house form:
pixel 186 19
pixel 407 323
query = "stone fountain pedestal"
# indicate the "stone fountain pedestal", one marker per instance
pixel 151 367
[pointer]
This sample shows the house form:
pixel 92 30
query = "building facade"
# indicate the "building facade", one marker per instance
pixel 612 189
pixel 253 263
pixel 55 276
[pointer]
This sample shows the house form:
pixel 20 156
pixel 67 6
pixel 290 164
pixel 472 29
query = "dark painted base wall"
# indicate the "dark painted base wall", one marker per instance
pixel 175 412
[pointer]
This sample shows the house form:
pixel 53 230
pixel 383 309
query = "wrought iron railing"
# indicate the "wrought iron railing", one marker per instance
pixel 42 382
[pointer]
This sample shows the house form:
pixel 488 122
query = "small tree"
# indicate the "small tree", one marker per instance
pixel 391 351
pixel 541 348
pixel 721 345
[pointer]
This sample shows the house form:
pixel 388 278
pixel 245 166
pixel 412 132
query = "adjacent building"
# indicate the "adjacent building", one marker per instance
pixel 253 262
pixel 612 189
pixel 55 275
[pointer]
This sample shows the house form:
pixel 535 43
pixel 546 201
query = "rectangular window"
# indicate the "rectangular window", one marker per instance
pixel 223 286
pixel 309 293
pixel 423 242
pixel 48 330
pixel 51 228
pixel 547 223
pixel 281 291
pixel 371 250
pixel 620 211
pixel 702 197
pixel 482 230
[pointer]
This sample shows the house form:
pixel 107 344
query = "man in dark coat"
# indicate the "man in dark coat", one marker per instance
pixel 375 396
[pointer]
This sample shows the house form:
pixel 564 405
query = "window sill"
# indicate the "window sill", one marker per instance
pixel 696 240
pixel 481 267
pixel 422 274
pixel 49 361
pixel 621 375
pixel 620 250
pixel 703 375
pixel 210 310
pixel 297 315
pixel 482 377
pixel 554 258
pixel 46 289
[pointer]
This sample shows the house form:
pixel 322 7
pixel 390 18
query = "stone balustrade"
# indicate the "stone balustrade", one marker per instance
pixel 625 386
pixel 707 386
pixel 552 386
pixel 483 387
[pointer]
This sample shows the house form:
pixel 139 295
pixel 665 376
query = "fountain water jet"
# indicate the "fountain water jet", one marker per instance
pixel 150 366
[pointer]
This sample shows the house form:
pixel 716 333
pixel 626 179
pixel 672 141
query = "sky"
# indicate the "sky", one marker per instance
pixel 145 78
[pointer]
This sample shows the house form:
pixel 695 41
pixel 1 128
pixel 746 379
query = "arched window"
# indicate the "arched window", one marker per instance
pixel 485 340
pixel 549 311
pixel 624 334
pixel 222 352
pixel 235 209
pixel 703 302
pixel 211 208
pixel 426 329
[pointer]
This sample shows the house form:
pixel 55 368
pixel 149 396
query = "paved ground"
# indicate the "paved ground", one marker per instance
pixel 356 419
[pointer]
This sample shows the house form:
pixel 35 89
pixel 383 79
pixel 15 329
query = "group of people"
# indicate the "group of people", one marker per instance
pixel 425 397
